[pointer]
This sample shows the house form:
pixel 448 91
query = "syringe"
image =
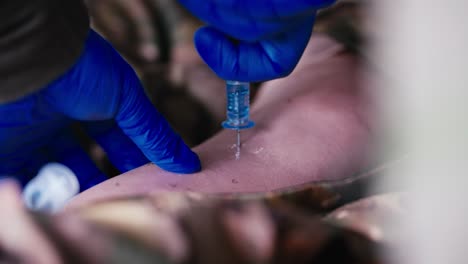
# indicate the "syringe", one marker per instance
pixel 237 109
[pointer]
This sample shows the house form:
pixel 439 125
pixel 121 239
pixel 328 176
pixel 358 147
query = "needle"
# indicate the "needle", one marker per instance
pixel 238 144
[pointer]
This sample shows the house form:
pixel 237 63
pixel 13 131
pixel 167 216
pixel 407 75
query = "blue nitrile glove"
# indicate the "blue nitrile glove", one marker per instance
pixel 270 35
pixel 103 91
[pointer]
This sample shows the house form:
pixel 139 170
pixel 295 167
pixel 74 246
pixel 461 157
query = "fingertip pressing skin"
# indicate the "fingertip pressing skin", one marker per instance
pixel 189 162
pixel 139 120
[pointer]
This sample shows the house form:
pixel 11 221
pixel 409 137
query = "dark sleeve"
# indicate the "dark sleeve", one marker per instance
pixel 39 41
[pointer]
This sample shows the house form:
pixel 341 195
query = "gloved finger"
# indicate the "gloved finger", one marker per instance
pixel 253 62
pixel 120 150
pixel 107 87
pixel 139 120
pixel 244 26
pixel 147 128
pixel 65 149
pixel 262 10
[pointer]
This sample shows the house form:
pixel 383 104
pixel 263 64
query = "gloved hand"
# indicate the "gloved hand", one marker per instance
pixel 270 35
pixel 104 91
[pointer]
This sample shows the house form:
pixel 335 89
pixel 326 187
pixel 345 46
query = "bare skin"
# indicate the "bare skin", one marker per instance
pixel 312 126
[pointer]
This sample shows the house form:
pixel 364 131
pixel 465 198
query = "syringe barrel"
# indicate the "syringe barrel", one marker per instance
pixel 238 105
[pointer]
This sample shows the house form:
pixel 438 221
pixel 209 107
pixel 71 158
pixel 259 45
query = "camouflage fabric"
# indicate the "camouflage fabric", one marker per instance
pixel 191 228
